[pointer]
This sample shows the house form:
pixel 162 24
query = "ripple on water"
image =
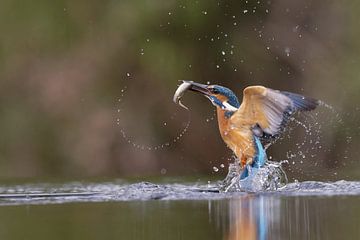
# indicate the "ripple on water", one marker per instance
pixel 143 191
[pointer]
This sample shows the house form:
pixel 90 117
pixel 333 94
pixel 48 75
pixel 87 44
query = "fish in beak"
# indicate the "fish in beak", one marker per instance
pixel 192 86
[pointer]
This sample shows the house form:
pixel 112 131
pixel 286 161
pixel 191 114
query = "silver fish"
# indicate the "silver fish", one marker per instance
pixel 180 92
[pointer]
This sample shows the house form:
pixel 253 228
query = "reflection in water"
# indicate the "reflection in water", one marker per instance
pixel 272 217
pixel 308 210
pixel 249 217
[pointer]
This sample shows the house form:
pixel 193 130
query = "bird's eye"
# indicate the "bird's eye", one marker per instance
pixel 215 91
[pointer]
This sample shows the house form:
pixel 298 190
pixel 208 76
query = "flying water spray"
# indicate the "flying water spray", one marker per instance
pixel 142 146
pixel 312 152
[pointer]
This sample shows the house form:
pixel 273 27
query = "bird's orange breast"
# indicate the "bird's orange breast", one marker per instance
pixel 238 137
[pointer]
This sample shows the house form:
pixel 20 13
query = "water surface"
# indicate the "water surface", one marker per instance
pixel 119 210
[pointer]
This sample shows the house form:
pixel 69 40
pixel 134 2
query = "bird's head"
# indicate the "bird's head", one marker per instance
pixel 221 97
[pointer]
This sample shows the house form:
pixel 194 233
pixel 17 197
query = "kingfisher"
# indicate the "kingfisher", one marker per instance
pixel 248 128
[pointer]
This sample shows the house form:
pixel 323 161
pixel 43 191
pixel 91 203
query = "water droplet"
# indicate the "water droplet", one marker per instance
pixel 222 165
pixel 215 169
pixel 245 11
pixel 287 51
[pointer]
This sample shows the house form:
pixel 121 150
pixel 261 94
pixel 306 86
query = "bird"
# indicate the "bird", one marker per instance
pixel 250 127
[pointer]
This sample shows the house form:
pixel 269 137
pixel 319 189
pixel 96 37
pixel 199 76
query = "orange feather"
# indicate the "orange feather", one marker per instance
pixel 260 106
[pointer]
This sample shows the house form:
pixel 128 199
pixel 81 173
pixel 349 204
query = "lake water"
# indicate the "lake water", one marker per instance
pixel 121 210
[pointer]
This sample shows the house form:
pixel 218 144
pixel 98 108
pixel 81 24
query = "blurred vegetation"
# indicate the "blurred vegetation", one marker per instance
pixel 64 63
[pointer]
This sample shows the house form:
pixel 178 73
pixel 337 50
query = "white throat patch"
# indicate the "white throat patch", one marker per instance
pixel 229 107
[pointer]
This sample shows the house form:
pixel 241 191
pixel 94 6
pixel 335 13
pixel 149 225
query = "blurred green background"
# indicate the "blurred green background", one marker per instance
pixel 65 64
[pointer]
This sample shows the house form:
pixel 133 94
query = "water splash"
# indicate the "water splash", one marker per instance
pixel 270 177
pixel 120 190
pixel 318 141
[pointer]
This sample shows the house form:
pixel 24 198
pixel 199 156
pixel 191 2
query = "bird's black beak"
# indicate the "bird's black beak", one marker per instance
pixel 199 88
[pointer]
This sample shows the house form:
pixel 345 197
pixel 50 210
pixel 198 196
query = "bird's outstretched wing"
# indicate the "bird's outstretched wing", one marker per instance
pixel 267 111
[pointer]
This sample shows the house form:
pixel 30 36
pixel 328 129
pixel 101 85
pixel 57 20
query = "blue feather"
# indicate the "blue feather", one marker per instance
pixel 259 159
pixel 260 156
pixel 232 99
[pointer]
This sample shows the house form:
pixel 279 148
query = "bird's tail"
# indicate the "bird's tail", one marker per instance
pixel 259 159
